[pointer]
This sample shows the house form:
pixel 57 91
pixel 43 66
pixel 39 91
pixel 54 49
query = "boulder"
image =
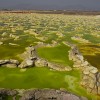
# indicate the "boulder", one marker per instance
pixel 76 65
pixel 85 63
pixel 98 76
pixel 83 82
pixel 1 43
pixel 95 70
pixel 95 90
pixel 27 63
pixel 86 72
pixel 12 61
pixel 67 68
pixel 4 62
pixel 49 94
pixel 41 63
pixel 11 65
pixel 9 92
pixel 59 67
pixel 99 90
pixel 93 76
pixel 91 85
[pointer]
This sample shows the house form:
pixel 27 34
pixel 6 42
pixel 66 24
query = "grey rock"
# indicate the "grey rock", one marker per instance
pixel 27 63
pixel 41 63
pixel 8 92
pixel 59 67
pixel 49 94
pixel 12 61
pixel 11 65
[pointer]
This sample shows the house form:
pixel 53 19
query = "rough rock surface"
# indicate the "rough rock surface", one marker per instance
pixel 91 76
pixel 9 63
pixel 27 63
pixel 59 67
pixel 49 94
pixel 8 92
pixel 39 94
pixel 41 63
pixel 31 59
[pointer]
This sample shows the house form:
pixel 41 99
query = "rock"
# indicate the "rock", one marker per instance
pixel 91 85
pixel 98 76
pixel 49 94
pixel 4 62
pixel 95 90
pixel 81 58
pixel 94 70
pixel 98 84
pixel 85 77
pixel 76 65
pixel 99 90
pixel 93 76
pixel 8 92
pixel 1 43
pixel 78 62
pixel 13 44
pixel 89 89
pixel 30 52
pixel 83 98
pixel 83 82
pixel 86 72
pixel 27 63
pixel 67 68
pixel 4 34
pixel 59 67
pixel 69 97
pixel 12 61
pixel 11 65
pixel 41 63
pixel 85 63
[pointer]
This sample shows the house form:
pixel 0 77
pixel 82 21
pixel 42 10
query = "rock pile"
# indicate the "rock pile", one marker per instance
pixel 31 59
pixel 39 94
pixel 8 92
pixel 49 94
pixel 91 76
pixel 5 93
pixel 9 63
pixel 59 67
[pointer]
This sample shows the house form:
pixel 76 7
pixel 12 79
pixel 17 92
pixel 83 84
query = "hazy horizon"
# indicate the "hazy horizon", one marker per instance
pixel 51 5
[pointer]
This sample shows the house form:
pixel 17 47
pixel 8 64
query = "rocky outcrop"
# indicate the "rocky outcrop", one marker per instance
pixel 9 63
pixel 90 74
pixel 49 94
pixel 39 94
pixel 30 62
pixel 8 92
pixel 31 59
pixel 80 39
pixel 59 67
pixel 40 62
